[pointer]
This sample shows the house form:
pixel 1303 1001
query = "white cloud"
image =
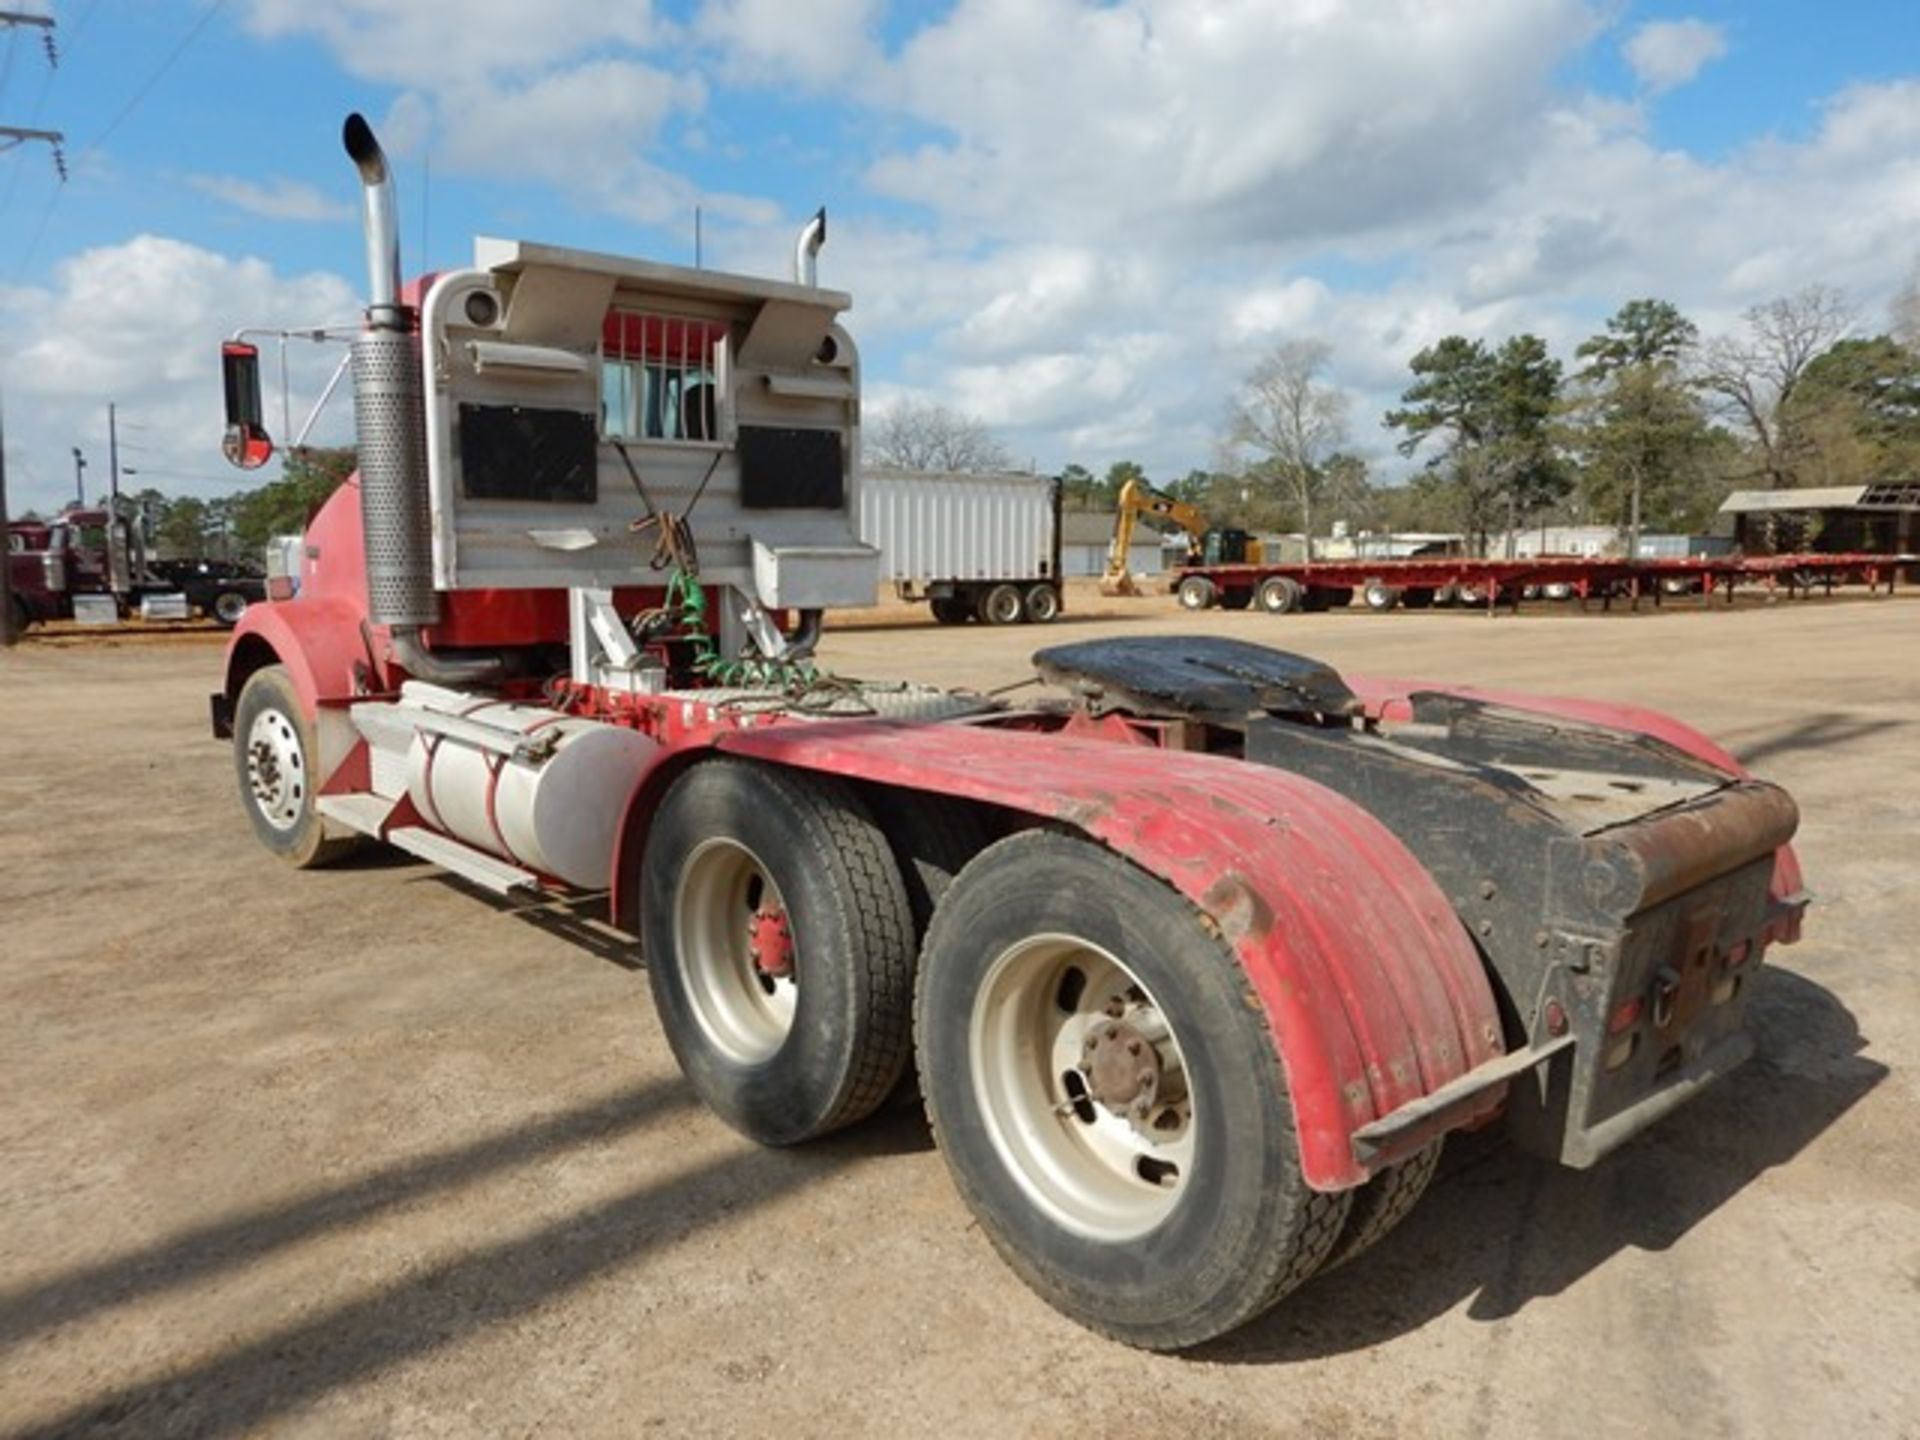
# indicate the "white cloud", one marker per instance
pixel 140 324
pixel 1666 53
pixel 1245 122
pixel 428 43
pixel 275 199
pixel 788 45
pixel 1114 207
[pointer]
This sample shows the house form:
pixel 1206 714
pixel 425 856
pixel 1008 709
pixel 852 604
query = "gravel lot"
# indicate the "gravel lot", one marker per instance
pixel 360 1153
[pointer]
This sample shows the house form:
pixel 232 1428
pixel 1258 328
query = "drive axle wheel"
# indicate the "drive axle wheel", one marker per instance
pixel 1002 605
pixel 779 946
pixel 1108 1099
pixel 273 756
pixel 1382 1203
pixel 1281 595
pixel 1043 604
pixel 1195 592
pixel 228 607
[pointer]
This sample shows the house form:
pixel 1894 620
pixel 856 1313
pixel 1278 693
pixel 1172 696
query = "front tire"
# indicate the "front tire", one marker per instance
pixel 1107 1096
pixel 779 945
pixel 274 756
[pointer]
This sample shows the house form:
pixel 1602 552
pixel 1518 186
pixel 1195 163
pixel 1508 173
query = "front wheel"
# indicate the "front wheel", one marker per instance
pixel 779 945
pixel 274 752
pixel 1106 1094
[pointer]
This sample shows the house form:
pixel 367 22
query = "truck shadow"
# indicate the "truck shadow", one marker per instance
pixel 582 921
pixel 1500 1229
pixel 1826 730
pixel 268 1375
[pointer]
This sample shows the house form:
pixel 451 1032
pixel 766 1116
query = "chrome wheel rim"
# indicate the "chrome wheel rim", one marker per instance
pixel 1051 1022
pixel 735 949
pixel 276 769
pixel 230 607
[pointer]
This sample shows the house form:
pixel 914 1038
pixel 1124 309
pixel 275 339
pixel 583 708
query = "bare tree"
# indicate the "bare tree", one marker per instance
pixel 1293 421
pixel 918 435
pixel 1906 312
pixel 1754 376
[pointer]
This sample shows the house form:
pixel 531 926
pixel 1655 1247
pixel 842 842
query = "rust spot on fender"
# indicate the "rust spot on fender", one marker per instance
pixel 1236 907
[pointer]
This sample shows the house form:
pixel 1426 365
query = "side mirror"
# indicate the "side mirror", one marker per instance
pixel 246 442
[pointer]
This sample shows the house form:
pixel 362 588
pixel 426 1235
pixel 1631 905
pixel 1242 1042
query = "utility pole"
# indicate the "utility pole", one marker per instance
pixel 14 135
pixel 11 137
pixel 79 478
pixel 113 459
pixel 7 637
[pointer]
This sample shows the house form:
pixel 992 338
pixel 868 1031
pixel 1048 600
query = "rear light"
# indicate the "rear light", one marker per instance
pixel 1624 1017
pixel 1738 953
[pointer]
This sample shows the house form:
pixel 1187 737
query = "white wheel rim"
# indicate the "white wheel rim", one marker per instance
pixel 723 905
pixel 1003 606
pixel 276 769
pixel 1099 1173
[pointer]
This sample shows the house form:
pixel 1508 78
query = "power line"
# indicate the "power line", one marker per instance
pixel 120 118
pixel 193 33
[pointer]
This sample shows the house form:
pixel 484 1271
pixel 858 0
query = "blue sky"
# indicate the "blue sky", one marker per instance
pixel 1081 222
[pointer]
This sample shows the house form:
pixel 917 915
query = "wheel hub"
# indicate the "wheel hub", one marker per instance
pixel 276 770
pixel 770 942
pixel 1122 1069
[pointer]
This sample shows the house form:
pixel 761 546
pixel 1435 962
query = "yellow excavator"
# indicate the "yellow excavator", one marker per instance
pixel 1140 501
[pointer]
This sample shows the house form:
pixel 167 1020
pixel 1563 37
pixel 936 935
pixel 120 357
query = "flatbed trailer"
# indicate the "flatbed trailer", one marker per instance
pixel 1199 958
pixel 1283 587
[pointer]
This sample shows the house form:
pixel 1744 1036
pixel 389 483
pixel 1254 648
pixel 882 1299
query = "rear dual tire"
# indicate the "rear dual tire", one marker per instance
pixel 1158 1232
pixel 779 940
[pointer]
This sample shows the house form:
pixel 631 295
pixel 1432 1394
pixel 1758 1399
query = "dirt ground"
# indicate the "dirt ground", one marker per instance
pixel 358 1153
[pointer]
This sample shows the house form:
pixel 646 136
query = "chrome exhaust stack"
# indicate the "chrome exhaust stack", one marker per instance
pixel 806 249
pixel 390 422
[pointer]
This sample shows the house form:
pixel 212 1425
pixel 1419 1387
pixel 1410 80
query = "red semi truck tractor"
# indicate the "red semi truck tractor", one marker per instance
pixel 1198 963
pixel 98 551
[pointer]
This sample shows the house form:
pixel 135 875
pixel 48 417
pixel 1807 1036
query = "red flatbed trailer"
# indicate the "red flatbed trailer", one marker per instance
pixel 1418 583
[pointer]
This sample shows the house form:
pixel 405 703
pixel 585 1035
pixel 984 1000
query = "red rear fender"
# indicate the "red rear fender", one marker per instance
pixel 1374 993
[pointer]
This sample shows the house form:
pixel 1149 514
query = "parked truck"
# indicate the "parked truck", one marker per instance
pixel 980 547
pixel 102 553
pixel 1199 961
